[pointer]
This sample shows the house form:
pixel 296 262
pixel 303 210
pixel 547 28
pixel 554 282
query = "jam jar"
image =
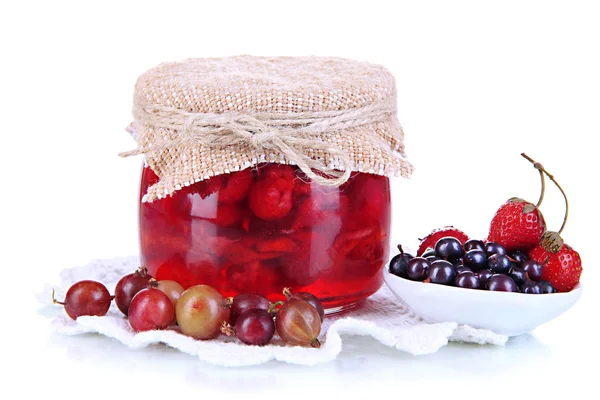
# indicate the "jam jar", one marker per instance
pixel 266 173
pixel 268 227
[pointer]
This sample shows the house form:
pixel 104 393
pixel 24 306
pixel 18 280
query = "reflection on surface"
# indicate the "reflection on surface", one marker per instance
pixel 361 357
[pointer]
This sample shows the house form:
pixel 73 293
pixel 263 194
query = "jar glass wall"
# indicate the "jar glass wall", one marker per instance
pixel 265 228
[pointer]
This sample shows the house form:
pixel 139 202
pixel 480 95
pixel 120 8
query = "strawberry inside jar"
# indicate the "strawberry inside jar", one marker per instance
pixel 269 227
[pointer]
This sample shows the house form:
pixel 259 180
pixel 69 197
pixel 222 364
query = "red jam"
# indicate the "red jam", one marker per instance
pixel 262 229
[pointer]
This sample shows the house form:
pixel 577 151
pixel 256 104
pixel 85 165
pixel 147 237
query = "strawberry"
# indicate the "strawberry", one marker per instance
pixel 227 215
pixel 320 208
pixel 242 252
pixel 430 240
pixel 276 244
pixel 517 225
pixel 235 186
pixel 270 196
pixel 206 187
pixel 253 276
pixel 312 259
pixel 561 263
pixel 302 184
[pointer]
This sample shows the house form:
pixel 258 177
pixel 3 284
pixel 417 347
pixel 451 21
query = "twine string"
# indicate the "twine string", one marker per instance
pixel 294 134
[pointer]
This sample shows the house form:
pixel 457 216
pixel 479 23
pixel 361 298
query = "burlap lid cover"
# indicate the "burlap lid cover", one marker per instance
pixel 203 117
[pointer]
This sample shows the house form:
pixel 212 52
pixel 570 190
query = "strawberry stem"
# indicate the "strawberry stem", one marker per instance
pixel 539 166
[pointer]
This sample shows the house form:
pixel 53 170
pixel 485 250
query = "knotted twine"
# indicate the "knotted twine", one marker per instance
pixel 289 134
pixel 193 118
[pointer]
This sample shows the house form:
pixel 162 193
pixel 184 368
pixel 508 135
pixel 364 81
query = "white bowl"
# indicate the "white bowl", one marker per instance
pixel 506 313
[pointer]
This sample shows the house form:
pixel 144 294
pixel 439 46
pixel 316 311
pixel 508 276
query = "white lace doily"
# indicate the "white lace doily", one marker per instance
pixel 381 316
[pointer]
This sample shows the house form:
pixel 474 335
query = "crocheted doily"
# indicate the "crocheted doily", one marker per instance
pixel 382 317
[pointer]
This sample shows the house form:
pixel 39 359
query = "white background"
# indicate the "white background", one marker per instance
pixel 478 83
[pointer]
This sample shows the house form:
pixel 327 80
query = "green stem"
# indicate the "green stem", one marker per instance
pixel 54 301
pixel 272 308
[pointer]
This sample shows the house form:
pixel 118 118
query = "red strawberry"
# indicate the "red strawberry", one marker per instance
pixel 517 225
pixel 561 264
pixel 253 277
pixel 235 186
pixel 312 259
pixel 320 208
pixel 276 244
pixel 206 187
pixel 270 197
pixel 227 214
pixel 430 240
pixel 302 184
pixel 242 252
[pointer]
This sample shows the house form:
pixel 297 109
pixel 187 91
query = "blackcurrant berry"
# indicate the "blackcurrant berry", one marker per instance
pixel 417 269
pixel 501 283
pixel 518 256
pixel 399 263
pixel 518 275
pixel 473 244
pixel 492 248
pixel 533 269
pixel 462 269
pixel 442 272
pixel 547 287
pixel 499 263
pixel 531 287
pixel 484 275
pixel 448 248
pixel 475 259
pixel 468 280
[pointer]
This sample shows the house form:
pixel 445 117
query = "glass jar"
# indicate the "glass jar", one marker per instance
pixel 268 227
